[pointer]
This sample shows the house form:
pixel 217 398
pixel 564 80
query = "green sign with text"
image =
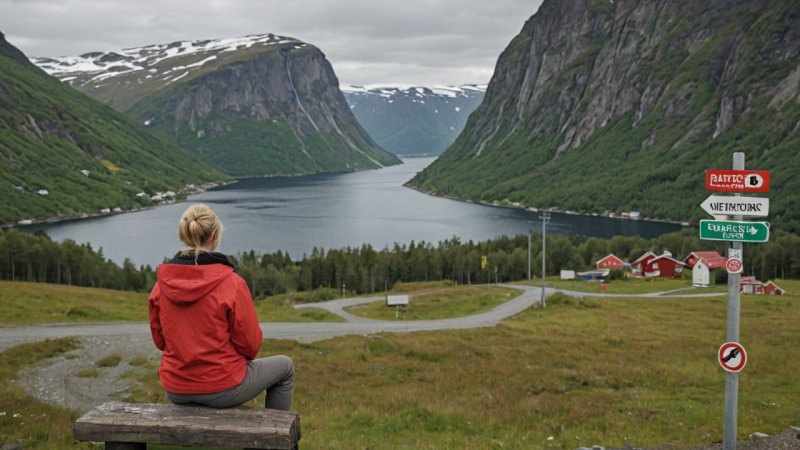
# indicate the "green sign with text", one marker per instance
pixel 726 230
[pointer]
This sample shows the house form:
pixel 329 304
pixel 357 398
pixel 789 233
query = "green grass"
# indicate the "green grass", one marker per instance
pixel 88 373
pixel 441 304
pixel 615 372
pixel 24 303
pixel 628 286
pixel 281 309
pixel 32 303
pixel 109 361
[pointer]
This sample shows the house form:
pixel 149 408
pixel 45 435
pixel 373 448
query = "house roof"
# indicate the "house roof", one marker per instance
pixel 643 257
pixel 669 258
pixel 773 283
pixel 610 255
pixel 715 263
pixel 705 255
pixel 711 259
pixel 749 280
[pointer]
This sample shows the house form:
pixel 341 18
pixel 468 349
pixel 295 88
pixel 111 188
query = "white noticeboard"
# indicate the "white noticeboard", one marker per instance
pixel 567 274
pixel 395 300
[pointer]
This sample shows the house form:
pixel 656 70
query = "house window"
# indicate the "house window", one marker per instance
pixel 655 265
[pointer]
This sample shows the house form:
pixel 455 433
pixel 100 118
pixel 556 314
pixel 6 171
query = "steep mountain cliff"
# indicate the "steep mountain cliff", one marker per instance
pixel 600 105
pixel 63 154
pixel 256 105
pixel 413 120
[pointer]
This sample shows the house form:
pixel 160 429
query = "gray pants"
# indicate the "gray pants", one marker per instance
pixel 274 373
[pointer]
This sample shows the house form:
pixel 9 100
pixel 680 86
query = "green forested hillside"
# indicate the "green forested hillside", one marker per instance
pixel 599 106
pixel 50 132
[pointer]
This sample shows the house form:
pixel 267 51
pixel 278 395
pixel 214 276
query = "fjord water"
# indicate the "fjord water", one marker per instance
pixel 296 214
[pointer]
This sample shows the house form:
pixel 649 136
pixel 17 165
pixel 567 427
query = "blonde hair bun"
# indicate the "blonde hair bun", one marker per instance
pixel 199 228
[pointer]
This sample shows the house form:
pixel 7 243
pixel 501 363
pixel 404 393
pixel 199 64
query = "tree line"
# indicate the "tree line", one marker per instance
pixel 37 258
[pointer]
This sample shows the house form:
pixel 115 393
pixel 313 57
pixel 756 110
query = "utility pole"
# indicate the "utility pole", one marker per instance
pixel 545 217
pixel 530 283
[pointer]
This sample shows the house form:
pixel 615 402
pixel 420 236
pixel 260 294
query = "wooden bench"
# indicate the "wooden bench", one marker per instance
pixel 131 426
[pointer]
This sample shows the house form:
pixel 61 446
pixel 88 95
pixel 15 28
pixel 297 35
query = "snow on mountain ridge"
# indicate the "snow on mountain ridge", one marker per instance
pixel 110 64
pixel 388 90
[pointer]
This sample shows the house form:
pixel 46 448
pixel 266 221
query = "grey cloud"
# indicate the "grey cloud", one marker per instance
pixel 411 41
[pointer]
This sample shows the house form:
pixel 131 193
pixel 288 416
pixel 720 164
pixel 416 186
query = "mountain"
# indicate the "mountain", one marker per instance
pixel 413 120
pixel 616 106
pixel 64 154
pixel 257 105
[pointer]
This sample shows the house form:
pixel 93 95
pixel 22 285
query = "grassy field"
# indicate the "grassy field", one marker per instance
pixel 37 303
pixel 627 286
pixel 614 372
pixel 441 303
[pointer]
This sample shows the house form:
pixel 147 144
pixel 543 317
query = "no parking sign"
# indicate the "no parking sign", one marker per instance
pixel 732 356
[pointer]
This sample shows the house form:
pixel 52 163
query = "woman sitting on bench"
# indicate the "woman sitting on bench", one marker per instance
pixel 203 320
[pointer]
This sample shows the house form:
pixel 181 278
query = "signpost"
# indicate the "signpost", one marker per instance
pixel 734 265
pixel 727 230
pixel 717 205
pixel 732 357
pixel 728 226
pixel 737 180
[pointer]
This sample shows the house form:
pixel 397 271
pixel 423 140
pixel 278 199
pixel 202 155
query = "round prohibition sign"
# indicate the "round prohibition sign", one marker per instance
pixel 733 265
pixel 732 357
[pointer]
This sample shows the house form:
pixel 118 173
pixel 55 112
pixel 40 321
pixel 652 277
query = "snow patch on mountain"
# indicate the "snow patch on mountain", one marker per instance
pixel 388 90
pixel 98 66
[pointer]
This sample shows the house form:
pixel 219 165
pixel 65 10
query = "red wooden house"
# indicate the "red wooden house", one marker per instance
pixel 750 285
pixel 610 262
pixel 637 267
pixel 664 266
pixel 712 260
pixel 773 289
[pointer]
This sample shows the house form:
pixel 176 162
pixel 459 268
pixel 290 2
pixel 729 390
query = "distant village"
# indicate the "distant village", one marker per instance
pixel 649 265
pixel 143 198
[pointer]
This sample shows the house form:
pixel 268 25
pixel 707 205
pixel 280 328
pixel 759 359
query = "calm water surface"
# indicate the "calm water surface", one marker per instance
pixel 296 214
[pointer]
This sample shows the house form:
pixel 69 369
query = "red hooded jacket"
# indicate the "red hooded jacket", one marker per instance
pixel 203 319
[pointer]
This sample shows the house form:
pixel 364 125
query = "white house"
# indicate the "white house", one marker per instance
pixel 701 275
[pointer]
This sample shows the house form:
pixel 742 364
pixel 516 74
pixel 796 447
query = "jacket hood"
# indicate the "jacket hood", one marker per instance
pixel 183 283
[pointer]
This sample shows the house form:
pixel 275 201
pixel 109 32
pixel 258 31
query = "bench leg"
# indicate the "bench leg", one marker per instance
pixel 125 446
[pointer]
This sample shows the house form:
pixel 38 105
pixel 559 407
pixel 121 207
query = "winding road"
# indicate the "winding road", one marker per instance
pixel 313 331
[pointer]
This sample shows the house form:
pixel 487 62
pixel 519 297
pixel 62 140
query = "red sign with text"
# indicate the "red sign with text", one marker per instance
pixel 737 180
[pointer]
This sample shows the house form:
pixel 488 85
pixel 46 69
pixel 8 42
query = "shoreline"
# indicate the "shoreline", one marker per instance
pixel 211 186
pixel 113 212
pixel 203 188
pixel 515 205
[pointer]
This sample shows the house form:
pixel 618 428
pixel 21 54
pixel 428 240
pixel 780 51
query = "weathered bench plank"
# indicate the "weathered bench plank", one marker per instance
pixel 189 426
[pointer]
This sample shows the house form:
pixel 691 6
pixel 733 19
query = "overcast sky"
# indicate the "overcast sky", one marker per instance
pixel 422 42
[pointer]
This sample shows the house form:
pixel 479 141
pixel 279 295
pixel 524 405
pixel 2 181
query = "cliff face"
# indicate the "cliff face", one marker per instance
pixel 600 106
pixel 259 105
pixel 63 154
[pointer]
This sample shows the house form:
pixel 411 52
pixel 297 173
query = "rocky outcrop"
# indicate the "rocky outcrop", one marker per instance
pixel 623 84
pixel 259 105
